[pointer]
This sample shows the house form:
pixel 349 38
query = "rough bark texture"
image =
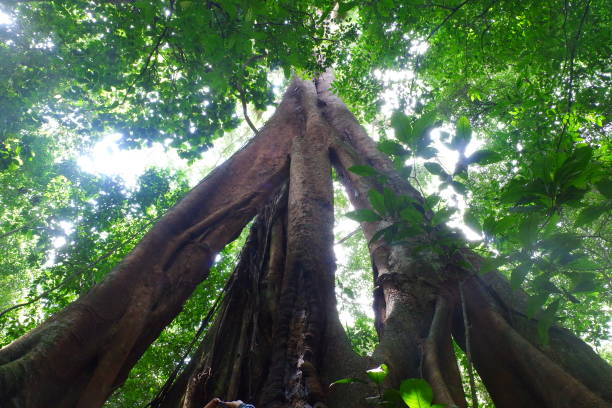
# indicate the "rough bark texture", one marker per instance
pixel 81 354
pixel 407 288
pixel 277 340
pixel 277 332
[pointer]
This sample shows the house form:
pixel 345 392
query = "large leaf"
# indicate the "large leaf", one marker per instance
pixel 463 134
pixel 378 201
pixel 590 214
pixel 605 188
pixel 470 219
pixel 528 230
pixel 348 381
pixel 363 215
pixel 416 393
pixel 412 215
pixel 483 157
pixel 546 320
pixel 402 126
pixel 378 374
pixel 518 275
pixel 392 148
pixel 435 168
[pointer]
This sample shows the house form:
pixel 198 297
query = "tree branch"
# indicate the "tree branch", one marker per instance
pixel 456 9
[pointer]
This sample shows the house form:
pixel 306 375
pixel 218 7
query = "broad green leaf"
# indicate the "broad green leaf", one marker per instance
pixel 427 152
pixel 432 200
pixel 392 148
pixel 435 168
pixel 583 282
pixel 484 157
pixel 605 188
pixel 416 393
pixel 386 232
pixel 412 215
pixel 463 134
pixel 363 215
pixel 403 127
pixel 363 170
pixel 590 214
pixel 491 264
pixel 378 374
pixel 349 380
pixel 442 216
pixel 378 201
pixel 471 220
pixel 528 230
pixel 392 398
pixel 546 320
pixel 421 128
pixel 518 276
pixel 391 200
pixel 459 187
pixel 535 303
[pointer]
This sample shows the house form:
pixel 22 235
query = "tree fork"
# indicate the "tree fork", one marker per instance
pixel 54 364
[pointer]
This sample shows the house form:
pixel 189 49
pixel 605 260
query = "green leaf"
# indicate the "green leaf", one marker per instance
pixel 590 214
pixel 518 276
pixel 528 230
pixel 459 187
pixel 363 215
pixel 427 152
pixel 442 216
pixel 435 168
pixel 402 126
pixel 387 232
pixel 416 393
pixel 348 381
pixel 377 200
pixel 605 188
pixel 363 170
pixel 432 200
pixel 392 148
pixel 421 128
pixel 471 220
pixel 378 374
pixel 583 282
pixel 412 215
pixel 491 264
pixel 463 134
pixel 391 200
pixel 535 303
pixel 546 320
pixel 484 157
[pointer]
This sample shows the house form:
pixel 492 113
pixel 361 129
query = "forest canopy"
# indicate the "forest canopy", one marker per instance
pixel 498 112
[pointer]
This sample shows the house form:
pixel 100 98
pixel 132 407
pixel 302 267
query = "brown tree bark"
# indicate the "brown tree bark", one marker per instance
pixel 408 287
pixel 79 356
pixel 277 340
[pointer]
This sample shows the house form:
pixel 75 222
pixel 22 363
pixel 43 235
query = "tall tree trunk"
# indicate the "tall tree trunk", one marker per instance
pixel 277 340
pixel 79 356
pixel 509 359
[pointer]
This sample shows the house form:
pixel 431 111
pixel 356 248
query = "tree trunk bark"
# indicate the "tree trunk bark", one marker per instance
pixel 508 359
pixel 79 356
pixel 277 340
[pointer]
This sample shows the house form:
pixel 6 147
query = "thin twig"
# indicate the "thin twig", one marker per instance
pixel 342 240
pixel 456 9
pixel 246 114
